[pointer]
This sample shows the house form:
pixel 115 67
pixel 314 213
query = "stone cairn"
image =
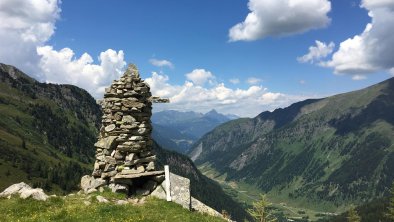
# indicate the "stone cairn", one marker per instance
pixel 124 158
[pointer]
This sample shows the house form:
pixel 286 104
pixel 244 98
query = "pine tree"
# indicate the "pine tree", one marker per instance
pixel 353 216
pixel 260 212
pixel 390 209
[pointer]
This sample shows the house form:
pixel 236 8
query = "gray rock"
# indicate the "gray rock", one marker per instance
pixel 107 142
pixel 121 202
pixel 109 174
pixel 14 189
pixel 151 166
pixel 91 190
pixel 24 191
pixel 130 157
pixel 101 199
pixel 134 138
pixel 110 160
pixel 118 155
pixel 128 119
pixel 109 168
pixel 139 169
pixel 109 128
pixel 37 194
pixel 89 182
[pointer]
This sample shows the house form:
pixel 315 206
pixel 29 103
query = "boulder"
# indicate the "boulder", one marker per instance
pixel 24 191
pixel 14 189
pixel 37 194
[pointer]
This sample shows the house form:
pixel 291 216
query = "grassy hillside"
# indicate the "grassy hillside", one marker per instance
pixel 87 208
pixel 318 154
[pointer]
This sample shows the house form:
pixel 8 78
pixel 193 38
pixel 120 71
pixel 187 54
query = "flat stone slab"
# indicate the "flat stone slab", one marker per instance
pixel 131 176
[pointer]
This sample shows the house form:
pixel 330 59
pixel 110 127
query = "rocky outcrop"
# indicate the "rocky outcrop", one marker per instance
pixel 180 194
pixel 24 191
pixel 180 190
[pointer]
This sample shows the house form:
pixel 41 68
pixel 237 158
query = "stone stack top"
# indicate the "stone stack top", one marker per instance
pixel 132 71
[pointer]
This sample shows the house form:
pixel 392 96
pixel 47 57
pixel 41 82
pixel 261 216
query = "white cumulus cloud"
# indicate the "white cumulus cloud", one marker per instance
pixel 63 67
pixel 161 63
pixel 373 49
pixel 25 28
pixel 280 18
pixel 317 53
pixel 26 24
pixel 243 102
pixel 200 76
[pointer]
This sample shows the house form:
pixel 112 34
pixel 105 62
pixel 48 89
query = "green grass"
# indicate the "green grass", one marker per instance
pixel 73 208
pixel 246 194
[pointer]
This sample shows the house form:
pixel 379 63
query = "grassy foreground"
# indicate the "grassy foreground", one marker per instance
pixel 75 208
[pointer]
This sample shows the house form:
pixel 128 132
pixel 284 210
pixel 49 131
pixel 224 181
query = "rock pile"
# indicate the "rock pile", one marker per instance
pixel 124 158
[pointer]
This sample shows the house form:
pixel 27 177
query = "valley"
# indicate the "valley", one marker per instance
pixel 317 156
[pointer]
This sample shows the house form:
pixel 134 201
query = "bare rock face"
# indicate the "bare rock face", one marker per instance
pixel 24 191
pixel 124 157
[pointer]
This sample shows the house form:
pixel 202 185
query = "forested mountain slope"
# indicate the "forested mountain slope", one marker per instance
pixel 47 131
pixel 337 150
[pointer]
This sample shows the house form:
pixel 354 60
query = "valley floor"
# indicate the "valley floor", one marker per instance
pixel 247 194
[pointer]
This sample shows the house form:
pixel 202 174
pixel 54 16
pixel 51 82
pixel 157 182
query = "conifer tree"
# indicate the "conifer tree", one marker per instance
pixel 260 211
pixel 353 216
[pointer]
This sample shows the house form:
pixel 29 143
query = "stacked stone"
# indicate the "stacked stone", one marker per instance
pixel 124 155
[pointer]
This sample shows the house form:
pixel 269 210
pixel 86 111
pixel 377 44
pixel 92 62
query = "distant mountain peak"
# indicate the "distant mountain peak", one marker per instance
pixel 213 111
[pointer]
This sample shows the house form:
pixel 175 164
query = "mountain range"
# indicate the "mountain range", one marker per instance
pixel 176 130
pixel 318 153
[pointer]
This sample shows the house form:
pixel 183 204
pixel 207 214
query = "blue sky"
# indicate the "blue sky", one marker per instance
pixel 185 49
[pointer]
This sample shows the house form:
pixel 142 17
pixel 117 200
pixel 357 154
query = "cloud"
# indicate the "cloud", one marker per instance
pixel 200 76
pixel 317 53
pixel 26 24
pixel 280 18
pixel 253 80
pixel 302 82
pixel 63 67
pixel 234 81
pixel 161 63
pixel 373 49
pixel 359 77
pixel 25 28
pixel 242 102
